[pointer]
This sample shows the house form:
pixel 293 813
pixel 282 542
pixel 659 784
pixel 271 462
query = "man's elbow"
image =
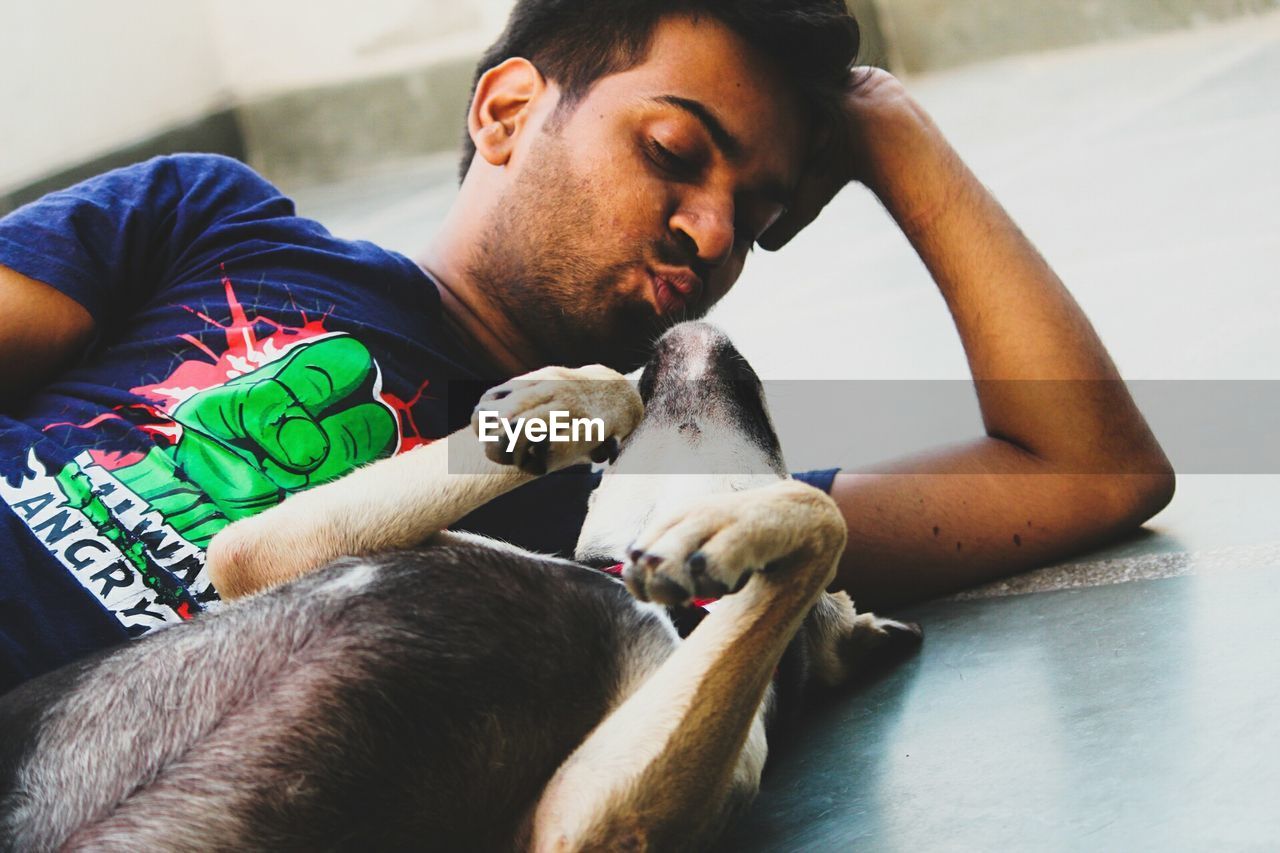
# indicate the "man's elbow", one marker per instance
pixel 1137 494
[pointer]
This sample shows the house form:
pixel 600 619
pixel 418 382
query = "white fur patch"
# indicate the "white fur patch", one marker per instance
pixel 750 766
pixel 354 579
pixel 462 537
pixel 697 357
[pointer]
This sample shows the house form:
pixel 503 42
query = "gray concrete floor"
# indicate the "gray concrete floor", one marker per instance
pixel 1147 173
pixel 1116 718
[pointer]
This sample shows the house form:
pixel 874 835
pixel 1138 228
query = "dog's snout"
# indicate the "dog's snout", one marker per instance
pixel 692 364
pixel 692 351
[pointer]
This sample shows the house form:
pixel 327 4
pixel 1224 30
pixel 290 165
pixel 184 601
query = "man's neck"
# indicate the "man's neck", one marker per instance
pixel 481 324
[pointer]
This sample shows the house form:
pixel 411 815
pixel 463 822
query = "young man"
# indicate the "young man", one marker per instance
pixel 179 350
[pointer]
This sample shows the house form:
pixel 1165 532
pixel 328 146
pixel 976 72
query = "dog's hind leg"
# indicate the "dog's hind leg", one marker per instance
pixel 665 767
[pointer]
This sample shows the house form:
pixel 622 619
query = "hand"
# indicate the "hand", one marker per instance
pixel 871 137
pixel 291 424
pixel 304 419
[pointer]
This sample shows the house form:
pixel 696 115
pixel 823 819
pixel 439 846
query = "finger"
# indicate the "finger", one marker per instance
pixel 233 479
pixel 281 427
pixel 325 372
pixel 355 437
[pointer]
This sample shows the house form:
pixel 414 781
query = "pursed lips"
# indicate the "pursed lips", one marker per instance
pixel 675 290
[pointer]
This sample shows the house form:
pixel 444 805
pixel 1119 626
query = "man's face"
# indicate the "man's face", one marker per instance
pixel 637 209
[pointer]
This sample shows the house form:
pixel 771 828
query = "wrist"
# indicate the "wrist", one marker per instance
pixel 900 154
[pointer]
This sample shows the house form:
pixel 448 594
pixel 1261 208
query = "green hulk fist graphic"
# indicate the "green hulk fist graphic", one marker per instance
pixel 306 418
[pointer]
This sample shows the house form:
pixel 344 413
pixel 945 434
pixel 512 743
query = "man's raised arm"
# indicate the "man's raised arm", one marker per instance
pixel 1067 462
pixel 41 330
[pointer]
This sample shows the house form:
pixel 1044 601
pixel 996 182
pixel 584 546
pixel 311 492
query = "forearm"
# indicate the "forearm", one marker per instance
pixel 41 330
pixel 971 513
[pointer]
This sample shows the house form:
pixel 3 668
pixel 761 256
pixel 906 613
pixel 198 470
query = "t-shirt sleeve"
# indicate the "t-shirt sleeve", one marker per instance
pixel 114 240
pixel 818 479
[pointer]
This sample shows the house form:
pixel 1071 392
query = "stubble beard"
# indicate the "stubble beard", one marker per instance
pixel 534 263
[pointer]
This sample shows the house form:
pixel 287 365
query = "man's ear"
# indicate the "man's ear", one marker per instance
pixel 502 106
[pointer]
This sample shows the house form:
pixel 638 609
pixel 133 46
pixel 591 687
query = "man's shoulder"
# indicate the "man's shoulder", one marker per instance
pixel 203 164
pixel 193 171
pixel 201 185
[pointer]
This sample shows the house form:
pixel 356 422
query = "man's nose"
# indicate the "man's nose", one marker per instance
pixel 708 223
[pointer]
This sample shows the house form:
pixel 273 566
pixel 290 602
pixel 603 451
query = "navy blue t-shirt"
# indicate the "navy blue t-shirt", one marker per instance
pixel 242 354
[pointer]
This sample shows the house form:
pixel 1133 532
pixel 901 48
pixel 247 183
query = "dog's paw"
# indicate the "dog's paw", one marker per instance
pixel 874 640
pixel 713 547
pixel 900 637
pixel 842 642
pixel 560 416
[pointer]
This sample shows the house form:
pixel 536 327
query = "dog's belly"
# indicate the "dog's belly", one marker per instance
pixel 419 699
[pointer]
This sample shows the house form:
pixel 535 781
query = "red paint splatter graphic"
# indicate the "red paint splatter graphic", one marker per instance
pixel 410 435
pixel 245 352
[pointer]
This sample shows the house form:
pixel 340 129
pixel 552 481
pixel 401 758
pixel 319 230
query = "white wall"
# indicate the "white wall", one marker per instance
pixel 79 78
pixel 268 46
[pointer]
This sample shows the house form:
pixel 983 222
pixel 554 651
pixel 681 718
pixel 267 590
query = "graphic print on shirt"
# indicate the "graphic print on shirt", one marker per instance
pixel 236 432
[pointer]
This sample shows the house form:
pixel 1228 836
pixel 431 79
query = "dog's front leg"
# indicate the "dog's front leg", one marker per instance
pixel 660 771
pixel 401 501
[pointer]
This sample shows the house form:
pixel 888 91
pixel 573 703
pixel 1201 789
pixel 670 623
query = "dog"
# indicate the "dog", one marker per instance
pixel 443 691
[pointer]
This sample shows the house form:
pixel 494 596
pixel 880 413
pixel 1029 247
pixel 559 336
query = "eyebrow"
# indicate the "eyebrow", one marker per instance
pixel 728 144
pixel 724 140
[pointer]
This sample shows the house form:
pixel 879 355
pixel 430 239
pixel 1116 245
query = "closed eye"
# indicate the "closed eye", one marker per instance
pixel 669 161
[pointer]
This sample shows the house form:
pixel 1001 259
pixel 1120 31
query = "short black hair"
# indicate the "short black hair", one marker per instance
pixel 576 42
